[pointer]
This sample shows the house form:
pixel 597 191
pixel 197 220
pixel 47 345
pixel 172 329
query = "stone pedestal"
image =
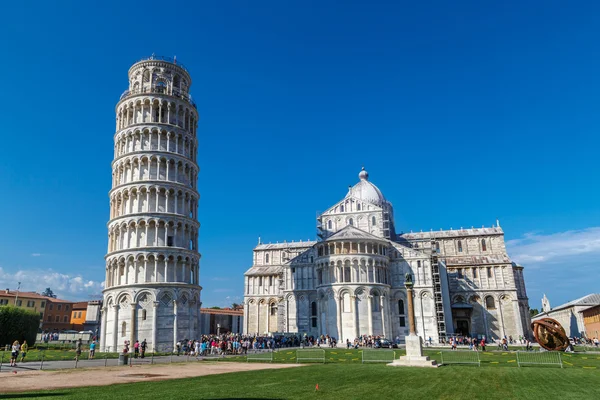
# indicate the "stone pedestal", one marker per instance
pixel 414 355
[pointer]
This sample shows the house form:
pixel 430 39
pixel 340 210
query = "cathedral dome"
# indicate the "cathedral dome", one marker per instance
pixel 366 191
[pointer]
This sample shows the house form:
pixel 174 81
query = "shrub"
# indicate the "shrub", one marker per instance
pixel 18 324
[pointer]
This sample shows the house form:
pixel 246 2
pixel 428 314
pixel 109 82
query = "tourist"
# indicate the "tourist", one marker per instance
pixel 136 349
pixel 14 353
pixel 178 347
pixel 78 349
pixel 482 343
pixel 143 346
pixel 197 348
pixel 23 350
pixel 92 350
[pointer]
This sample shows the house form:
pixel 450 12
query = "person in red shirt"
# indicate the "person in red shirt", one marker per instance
pixel 136 349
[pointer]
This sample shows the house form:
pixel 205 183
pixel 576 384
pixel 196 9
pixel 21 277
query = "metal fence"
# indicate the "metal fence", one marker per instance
pixel 386 356
pixel 539 358
pixel 310 355
pixel 459 357
pixel 262 355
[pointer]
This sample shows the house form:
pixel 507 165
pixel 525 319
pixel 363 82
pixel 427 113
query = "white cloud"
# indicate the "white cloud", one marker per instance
pixel 535 248
pixel 36 254
pixel 65 286
pixel 563 265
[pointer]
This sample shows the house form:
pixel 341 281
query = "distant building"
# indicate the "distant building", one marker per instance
pixel 569 315
pixel 218 321
pixel 78 315
pixel 92 317
pixel 58 315
pixel 591 321
pixel 27 300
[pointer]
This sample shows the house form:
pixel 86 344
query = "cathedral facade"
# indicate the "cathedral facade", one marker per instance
pixel 350 282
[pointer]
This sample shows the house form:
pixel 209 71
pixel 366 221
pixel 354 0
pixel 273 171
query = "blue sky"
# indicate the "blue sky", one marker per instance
pixel 462 114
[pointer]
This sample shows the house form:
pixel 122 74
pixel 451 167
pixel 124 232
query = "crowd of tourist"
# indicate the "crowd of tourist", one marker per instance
pixel 50 337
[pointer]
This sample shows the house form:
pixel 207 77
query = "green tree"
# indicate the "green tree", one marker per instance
pixel 18 324
pixel 215 308
pixel 533 312
pixel 48 293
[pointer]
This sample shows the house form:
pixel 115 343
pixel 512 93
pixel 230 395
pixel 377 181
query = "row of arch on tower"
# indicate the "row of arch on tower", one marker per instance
pixel 146 299
pixel 356 270
pixel 155 138
pixel 155 267
pixel 137 199
pixel 154 167
pixel 339 247
pixel 157 110
pixel 153 76
pixel 153 232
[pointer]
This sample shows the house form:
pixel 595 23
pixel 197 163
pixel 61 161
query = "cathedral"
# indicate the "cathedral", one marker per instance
pixel 350 282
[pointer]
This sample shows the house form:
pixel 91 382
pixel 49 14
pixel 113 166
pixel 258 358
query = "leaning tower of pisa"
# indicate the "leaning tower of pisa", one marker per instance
pixel 152 265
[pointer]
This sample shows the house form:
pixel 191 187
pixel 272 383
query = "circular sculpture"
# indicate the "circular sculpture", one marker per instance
pixel 550 334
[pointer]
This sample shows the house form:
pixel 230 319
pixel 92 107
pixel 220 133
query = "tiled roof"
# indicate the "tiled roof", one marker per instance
pixel 589 300
pixel 286 245
pixel 496 230
pixel 23 295
pixel 590 308
pixel 264 270
pixel 352 232
pixel 53 300
pixel 80 305
pixel 221 311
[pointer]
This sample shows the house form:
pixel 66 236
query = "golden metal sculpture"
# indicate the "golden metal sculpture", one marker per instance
pixel 550 334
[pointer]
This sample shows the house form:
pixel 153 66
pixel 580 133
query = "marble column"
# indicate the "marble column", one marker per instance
pixel 155 326
pixel 411 308
pixel 103 329
pixel 382 302
pixel 116 328
pixel 174 323
pixel 370 314
pixel 339 319
pixel 355 316
pixel 133 321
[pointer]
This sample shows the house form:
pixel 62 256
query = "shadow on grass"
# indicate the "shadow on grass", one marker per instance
pixel 26 395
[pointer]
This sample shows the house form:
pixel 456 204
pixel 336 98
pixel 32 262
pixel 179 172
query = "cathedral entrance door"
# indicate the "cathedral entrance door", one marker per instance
pixel 462 327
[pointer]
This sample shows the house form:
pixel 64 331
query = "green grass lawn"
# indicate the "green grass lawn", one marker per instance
pixel 488 358
pixel 357 381
pixel 54 355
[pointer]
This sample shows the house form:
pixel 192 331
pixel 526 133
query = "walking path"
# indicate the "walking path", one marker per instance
pixel 35 380
pixel 100 362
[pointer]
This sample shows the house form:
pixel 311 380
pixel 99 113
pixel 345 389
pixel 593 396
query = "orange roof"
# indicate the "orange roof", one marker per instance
pixel 80 305
pixel 25 295
pixel 223 311
pixel 53 300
